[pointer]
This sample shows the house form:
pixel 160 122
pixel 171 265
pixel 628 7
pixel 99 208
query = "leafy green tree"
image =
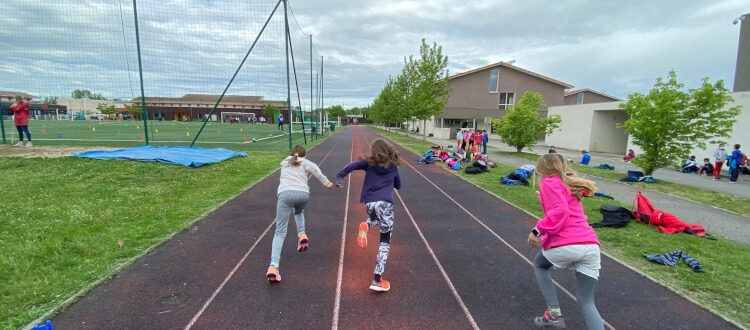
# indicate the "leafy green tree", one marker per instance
pixel 135 110
pixel 336 111
pixel 49 100
pixel 668 121
pixel 429 90
pixel 269 111
pixel 106 109
pixel 521 126
pixel 85 93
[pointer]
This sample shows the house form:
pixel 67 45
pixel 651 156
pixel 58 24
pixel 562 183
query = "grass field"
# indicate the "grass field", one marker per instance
pixel 727 264
pixel 709 197
pixel 110 133
pixel 62 219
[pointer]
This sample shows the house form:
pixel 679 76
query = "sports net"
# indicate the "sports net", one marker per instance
pixel 81 72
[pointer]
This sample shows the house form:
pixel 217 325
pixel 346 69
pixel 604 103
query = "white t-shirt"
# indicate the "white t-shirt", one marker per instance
pixel 295 177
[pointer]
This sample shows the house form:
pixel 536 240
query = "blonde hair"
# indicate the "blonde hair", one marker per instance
pixel 296 152
pixel 19 99
pixel 383 154
pixel 555 165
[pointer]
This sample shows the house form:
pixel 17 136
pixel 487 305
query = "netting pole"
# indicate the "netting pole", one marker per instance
pixel 238 71
pixel 140 72
pixel 288 86
pixel 296 85
pixel 2 122
pixel 311 90
pixel 322 104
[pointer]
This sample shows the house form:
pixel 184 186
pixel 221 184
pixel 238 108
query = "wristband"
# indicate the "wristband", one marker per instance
pixel 535 232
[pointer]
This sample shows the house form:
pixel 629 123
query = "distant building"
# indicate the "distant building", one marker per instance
pixel 196 106
pixel 479 95
pixel 37 110
pixel 586 96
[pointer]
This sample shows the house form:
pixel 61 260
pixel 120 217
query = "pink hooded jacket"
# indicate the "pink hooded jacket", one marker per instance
pixel 564 222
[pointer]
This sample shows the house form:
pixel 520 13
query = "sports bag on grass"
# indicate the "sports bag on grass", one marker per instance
pixel 613 216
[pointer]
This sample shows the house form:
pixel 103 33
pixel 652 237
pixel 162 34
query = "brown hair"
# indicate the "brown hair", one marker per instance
pixel 555 165
pixel 382 154
pixel 19 99
pixel 296 152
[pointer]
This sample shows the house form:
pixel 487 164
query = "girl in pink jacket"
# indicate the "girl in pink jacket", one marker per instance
pixel 567 240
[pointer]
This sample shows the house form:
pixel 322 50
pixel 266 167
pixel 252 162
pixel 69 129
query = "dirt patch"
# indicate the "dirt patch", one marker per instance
pixel 44 151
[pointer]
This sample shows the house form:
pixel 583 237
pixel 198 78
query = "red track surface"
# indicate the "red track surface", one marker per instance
pixel 450 266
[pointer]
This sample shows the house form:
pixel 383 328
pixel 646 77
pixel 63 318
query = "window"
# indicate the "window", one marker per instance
pixel 507 100
pixel 493 80
pixel 579 98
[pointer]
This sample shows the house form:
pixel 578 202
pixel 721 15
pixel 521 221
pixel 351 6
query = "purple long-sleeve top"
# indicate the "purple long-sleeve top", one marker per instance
pixel 379 181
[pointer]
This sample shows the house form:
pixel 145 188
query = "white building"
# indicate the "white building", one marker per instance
pixel 76 106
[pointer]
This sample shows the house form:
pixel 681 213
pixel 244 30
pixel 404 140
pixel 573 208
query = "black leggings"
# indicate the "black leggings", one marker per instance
pixel 22 129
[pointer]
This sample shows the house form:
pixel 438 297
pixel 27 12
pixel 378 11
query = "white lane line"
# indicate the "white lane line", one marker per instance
pixel 340 275
pixel 234 270
pixel 498 236
pixel 440 266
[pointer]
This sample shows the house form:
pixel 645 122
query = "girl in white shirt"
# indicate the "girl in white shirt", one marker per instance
pixel 293 194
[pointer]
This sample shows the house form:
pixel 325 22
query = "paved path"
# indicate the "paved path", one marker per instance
pixel 717 221
pixel 456 262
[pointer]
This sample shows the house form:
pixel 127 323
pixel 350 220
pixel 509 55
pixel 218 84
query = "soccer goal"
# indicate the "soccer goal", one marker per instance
pixel 237 117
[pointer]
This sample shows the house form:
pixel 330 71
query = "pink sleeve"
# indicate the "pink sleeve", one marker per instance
pixel 555 204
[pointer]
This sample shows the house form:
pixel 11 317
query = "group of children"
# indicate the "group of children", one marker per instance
pixel 566 239
pixel 736 162
pixel 472 138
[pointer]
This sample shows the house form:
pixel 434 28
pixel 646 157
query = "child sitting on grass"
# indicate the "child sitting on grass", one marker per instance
pixel 707 167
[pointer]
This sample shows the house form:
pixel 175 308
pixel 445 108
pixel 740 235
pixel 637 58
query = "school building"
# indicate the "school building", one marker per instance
pixel 480 95
pixel 197 106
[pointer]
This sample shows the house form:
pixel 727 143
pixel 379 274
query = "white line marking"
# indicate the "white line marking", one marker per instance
pixel 437 262
pixel 340 275
pixel 498 236
pixel 231 273
pixel 221 286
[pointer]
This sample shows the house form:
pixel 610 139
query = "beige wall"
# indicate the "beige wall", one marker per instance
pixel 76 106
pixel 605 135
pixel 589 97
pixel 472 91
pixel 519 82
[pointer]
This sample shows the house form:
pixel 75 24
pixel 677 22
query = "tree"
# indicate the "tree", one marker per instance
pixel 521 126
pixel 106 109
pixel 336 111
pixel 668 122
pixel 49 100
pixel 85 93
pixel 269 111
pixel 429 90
pixel 134 110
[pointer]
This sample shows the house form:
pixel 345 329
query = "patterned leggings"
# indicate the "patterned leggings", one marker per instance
pixel 381 213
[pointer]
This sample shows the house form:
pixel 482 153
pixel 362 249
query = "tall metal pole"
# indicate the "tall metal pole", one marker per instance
pixel 311 88
pixel 140 72
pixel 288 86
pixel 2 122
pixel 322 104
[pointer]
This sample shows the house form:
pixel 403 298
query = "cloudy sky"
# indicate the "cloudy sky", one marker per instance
pixel 194 46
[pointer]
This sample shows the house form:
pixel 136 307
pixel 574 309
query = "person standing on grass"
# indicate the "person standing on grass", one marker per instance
pixel 719 156
pixel 566 238
pixel 381 176
pixel 293 194
pixel 485 138
pixel 478 139
pixel 734 161
pixel 20 110
pixel 459 138
pixel 281 122
pixel 465 144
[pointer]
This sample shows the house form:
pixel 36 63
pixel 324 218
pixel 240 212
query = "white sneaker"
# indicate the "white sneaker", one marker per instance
pixel 19 144
pixel 28 144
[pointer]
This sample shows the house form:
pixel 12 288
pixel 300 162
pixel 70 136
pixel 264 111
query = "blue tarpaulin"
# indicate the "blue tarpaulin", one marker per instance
pixel 188 156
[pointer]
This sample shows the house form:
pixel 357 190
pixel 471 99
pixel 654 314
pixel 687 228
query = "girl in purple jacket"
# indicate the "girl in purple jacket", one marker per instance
pixel 567 240
pixel 381 168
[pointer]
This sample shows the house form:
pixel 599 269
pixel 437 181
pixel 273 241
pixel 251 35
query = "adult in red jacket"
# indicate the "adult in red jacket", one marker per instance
pixel 20 110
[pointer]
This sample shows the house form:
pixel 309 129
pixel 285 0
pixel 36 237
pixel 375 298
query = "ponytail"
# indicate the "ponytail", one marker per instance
pixel 296 152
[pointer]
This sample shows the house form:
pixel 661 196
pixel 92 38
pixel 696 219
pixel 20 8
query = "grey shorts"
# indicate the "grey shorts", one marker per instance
pixel 584 258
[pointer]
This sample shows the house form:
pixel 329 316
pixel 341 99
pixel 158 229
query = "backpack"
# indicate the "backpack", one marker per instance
pixel 613 216
pixel 605 167
pixel 481 165
pixel 473 170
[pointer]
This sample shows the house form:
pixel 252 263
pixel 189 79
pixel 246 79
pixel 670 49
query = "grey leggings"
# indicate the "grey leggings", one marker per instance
pixel 584 291
pixel 288 200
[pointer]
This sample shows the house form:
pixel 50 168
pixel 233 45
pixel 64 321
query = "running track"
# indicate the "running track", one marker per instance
pixel 458 260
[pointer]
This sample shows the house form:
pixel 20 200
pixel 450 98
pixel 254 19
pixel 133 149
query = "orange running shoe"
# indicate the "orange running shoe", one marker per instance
pixel 302 242
pixel 273 274
pixel 383 286
pixel 362 237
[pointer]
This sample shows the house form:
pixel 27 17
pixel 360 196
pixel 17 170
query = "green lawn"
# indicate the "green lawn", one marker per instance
pixel 709 197
pixel 62 219
pixel 109 133
pixel 727 264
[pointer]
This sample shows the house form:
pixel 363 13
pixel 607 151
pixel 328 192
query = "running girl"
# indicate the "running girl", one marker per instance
pixel 567 240
pixel 293 194
pixel 381 168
